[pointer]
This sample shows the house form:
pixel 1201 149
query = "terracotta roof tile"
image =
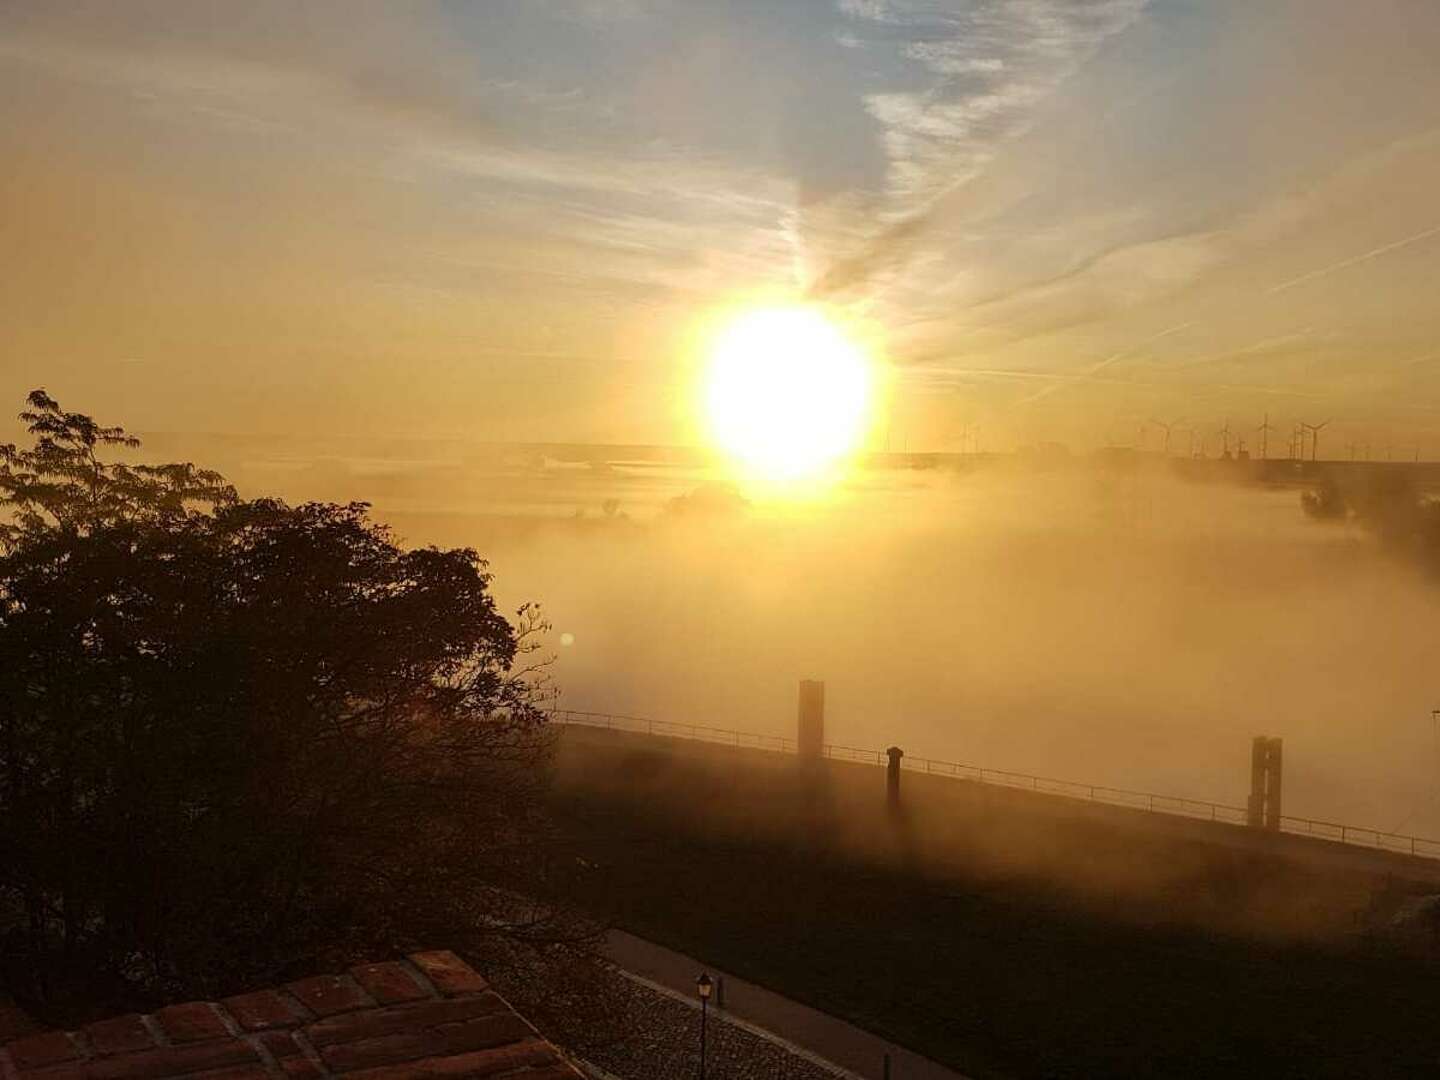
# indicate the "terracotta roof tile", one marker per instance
pixel 119 1035
pixel 389 983
pixel 430 1016
pixel 14 1021
pixel 47 1048
pixel 329 994
pixel 264 1009
pixel 191 1022
pixel 448 972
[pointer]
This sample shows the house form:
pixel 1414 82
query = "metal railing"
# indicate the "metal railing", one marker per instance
pixel 671 729
pixel 1150 801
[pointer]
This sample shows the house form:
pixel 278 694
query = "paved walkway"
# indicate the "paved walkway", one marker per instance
pixel 855 1051
pixel 663 1042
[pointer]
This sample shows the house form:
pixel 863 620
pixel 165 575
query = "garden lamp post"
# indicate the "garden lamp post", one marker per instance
pixel 704 985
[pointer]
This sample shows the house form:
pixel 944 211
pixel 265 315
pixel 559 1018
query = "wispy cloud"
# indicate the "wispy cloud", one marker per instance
pixel 981 69
pixel 978 72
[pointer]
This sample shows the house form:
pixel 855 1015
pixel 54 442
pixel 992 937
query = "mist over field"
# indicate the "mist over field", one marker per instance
pixel 1134 634
pixel 1117 627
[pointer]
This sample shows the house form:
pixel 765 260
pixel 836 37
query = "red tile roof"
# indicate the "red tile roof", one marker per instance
pixel 427 1016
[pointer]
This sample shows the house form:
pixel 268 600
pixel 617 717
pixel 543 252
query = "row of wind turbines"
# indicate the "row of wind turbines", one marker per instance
pixel 1303 433
pixel 1303 443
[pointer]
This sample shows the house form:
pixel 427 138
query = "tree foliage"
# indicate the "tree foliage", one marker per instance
pixel 1389 502
pixel 61 484
pixel 241 735
pixel 1326 502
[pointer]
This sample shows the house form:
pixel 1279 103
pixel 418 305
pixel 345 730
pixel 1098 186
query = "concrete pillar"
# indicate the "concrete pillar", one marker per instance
pixel 1255 805
pixel 810 733
pixel 892 778
pixel 1262 810
pixel 1272 786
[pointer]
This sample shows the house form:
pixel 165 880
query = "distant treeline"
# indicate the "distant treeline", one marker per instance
pixel 1389 503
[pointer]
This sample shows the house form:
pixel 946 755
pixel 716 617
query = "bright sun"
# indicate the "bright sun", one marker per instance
pixel 787 394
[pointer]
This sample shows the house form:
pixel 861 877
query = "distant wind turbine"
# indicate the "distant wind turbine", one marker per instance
pixel 1264 430
pixel 1314 430
pixel 1167 428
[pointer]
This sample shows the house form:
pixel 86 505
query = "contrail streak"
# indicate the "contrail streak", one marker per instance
pixel 1366 256
pixel 1344 263
pixel 1263 345
pixel 947 376
pixel 1113 358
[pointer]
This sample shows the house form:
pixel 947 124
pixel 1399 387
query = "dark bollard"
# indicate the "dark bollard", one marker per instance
pixel 892 779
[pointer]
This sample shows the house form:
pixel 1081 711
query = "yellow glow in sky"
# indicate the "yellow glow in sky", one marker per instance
pixel 787 394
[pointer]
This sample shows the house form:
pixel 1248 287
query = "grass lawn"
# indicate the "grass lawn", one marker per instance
pixel 999 979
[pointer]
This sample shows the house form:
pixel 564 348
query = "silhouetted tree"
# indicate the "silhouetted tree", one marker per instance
pixel 1389 504
pixel 708 501
pixel 1325 502
pixel 61 485
pixel 238 737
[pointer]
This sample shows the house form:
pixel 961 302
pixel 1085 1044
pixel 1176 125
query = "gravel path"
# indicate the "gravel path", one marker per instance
pixel 664 1043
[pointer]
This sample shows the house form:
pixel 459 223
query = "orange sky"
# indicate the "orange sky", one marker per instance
pixel 503 220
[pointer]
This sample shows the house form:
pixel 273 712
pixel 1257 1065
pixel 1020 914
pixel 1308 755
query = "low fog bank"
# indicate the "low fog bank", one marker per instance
pixel 1125 628
pixel 1127 631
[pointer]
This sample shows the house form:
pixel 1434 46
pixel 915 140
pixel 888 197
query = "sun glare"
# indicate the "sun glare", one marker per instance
pixel 787 394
